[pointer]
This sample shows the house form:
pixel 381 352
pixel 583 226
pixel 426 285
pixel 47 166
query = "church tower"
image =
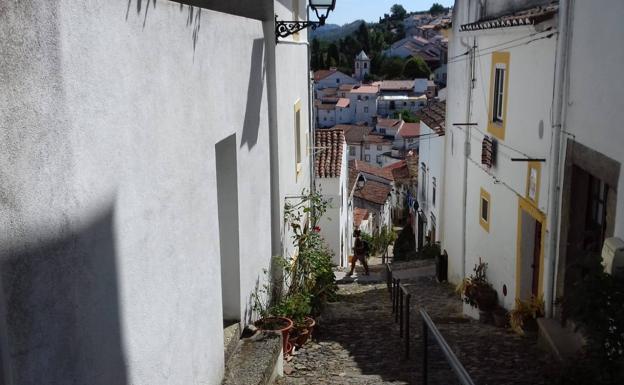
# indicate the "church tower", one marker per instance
pixel 362 66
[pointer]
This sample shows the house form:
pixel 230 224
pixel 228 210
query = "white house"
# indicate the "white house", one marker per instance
pixel 364 102
pixel 388 127
pixel 143 181
pixel 499 150
pixel 331 78
pixel 365 145
pixel 331 180
pixel 392 105
pixel 431 173
pixel 407 138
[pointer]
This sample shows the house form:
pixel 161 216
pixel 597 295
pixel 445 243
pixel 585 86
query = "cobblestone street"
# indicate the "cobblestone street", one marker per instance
pixel 357 342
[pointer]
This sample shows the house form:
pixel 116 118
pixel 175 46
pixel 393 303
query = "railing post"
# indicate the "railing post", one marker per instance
pixel 400 311
pixel 407 325
pixel 424 336
pixel 393 294
pixel 396 300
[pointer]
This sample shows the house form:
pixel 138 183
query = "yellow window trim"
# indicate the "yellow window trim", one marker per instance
pixel 527 206
pixel 498 128
pixel 485 196
pixel 298 166
pixel 537 166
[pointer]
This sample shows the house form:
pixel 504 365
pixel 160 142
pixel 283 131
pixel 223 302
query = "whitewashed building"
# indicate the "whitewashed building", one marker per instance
pixel 430 174
pixel 331 180
pixel 364 103
pixel 143 181
pixel 499 146
pixel 331 78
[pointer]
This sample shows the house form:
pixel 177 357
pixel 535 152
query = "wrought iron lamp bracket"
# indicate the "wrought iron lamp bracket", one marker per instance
pixel 287 28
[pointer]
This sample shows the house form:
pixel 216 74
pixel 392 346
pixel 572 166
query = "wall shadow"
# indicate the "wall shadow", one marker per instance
pixel 255 89
pixel 62 308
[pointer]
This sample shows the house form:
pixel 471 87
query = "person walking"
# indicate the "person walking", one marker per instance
pixel 360 250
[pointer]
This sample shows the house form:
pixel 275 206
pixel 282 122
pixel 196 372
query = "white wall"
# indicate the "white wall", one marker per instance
pixel 531 80
pixel 431 153
pixel 593 109
pixel 335 80
pixel 110 125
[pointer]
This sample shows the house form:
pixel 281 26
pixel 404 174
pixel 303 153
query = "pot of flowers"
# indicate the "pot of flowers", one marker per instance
pixel 477 292
pixel 281 325
pixel 523 318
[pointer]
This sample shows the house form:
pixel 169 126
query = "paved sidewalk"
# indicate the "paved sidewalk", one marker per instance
pixel 357 342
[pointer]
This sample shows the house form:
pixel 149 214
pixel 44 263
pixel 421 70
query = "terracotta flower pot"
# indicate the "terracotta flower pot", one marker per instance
pixel 277 324
pixel 486 298
pixel 310 324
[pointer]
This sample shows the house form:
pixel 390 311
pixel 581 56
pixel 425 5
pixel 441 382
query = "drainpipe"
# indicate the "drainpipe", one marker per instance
pixel 563 37
pixel 466 151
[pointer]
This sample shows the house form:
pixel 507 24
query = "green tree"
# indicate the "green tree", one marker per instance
pixel 398 12
pixel 436 9
pixel 333 55
pixel 392 68
pixel 406 115
pixel 314 57
pixel 416 68
pixel 363 36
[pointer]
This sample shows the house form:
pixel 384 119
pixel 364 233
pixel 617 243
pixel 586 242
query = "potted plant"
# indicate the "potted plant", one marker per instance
pixel 477 292
pixel 523 317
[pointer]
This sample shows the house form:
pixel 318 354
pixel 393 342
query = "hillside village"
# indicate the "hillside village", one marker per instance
pixel 239 192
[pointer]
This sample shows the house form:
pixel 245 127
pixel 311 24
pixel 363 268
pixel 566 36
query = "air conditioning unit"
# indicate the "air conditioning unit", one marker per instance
pixel 613 256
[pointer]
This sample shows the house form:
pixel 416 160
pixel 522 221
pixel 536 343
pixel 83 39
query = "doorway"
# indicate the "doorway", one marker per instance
pixel 530 253
pixel 227 201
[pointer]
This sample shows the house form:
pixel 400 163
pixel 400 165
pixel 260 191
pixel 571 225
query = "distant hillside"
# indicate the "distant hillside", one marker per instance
pixel 333 32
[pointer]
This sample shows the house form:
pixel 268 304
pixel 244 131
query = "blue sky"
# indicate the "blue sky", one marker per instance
pixel 370 10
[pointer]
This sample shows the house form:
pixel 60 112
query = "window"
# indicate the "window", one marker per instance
pixel 357 65
pixel 433 192
pixel 367 158
pixel 379 147
pixel 499 80
pixel 359 97
pixel 367 146
pixel 337 80
pixel 366 110
pixel 352 150
pixel 297 137
pixel 365 65
pixel 365 97
pixel 382 131
pixel 596 220
pixel 484 210
pixel 499 94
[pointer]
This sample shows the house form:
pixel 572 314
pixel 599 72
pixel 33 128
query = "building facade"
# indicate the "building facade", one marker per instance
pixel 130 151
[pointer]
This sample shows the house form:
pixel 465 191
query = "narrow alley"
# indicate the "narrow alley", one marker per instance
pixel 357 341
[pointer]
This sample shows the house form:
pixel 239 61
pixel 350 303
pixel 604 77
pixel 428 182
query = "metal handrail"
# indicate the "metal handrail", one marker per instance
pixel 400 298
pixel 451 358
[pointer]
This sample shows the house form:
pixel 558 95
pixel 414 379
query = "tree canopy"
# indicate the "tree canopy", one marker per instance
pixel 436 9
pixel 398 12
pixel 416 68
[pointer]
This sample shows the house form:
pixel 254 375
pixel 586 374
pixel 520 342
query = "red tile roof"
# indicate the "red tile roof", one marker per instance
pixel 374 192
pixel 397 85
pixel 322 74
pixel 368 168
pixel 365 90
pixel 359 214
pixel 396 123
pixel 434 116
pixel 343 103
pixel 329 146
pixel 410 130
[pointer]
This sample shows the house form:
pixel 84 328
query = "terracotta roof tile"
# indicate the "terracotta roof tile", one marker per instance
pixel 328 160
pixel 434 116
pixel 343 103
pixel 359 214
pixel 368 168
pixel 365 90
pixel 322 74
pixel 374 192
pixel 397 85
pixel 410 130
pixel 530 16
pixel 389 123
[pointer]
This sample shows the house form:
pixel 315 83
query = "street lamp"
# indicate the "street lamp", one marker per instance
pixel 320 7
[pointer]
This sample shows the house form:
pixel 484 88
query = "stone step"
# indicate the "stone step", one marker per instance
pixel 562 342
pixel 231 336
pixel 255 361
